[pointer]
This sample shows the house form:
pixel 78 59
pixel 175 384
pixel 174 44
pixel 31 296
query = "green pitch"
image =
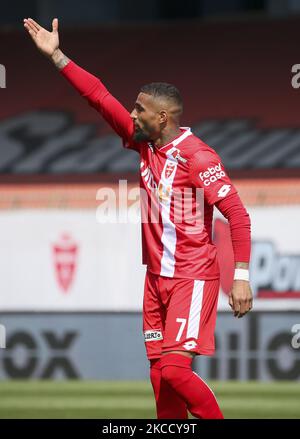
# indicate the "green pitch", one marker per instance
pixel 119 399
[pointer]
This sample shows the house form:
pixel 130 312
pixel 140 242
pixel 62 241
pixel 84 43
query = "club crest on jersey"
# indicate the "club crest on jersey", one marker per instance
pixel 170 168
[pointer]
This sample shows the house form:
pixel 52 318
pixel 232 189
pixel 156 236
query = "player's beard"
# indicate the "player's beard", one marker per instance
pixel 140 135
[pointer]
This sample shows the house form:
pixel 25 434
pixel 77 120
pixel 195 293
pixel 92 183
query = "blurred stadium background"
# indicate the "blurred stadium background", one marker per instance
pixel 71 283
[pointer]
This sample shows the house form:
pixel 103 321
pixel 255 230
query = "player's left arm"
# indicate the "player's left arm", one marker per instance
pixel 208 172
pixel 232 208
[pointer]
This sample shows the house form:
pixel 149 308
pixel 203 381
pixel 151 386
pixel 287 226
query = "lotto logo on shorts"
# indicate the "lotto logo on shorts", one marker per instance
pixel 188 345
pixel 212 174
pixel 152 335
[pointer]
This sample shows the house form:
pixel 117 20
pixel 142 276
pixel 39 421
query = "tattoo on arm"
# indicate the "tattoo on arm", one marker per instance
pixel 60 60
pixel 242 265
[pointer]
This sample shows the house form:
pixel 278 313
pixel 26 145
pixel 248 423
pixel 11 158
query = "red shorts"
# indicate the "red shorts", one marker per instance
pixel 179 314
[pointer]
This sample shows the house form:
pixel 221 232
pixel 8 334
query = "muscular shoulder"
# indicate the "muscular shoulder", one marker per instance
pixel 199 153
pixel 207 171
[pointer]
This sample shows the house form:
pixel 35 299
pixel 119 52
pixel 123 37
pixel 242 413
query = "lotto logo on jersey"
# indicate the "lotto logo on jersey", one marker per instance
pixel 152 335
pixel 212 174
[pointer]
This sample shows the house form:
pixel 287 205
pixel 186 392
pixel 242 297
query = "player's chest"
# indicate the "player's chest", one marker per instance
pixel 163 169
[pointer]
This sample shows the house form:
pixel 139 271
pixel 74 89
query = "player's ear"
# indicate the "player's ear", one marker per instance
pixel 163 116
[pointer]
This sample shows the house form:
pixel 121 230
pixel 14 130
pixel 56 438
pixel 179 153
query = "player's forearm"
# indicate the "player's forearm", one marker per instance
pixel 240 228
pixel 244 265
pixel 59 59
pixel 91 88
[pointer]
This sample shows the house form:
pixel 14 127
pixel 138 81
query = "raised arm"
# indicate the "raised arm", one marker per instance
pixel 89 86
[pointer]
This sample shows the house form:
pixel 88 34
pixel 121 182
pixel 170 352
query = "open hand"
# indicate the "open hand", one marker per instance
pixel 47 42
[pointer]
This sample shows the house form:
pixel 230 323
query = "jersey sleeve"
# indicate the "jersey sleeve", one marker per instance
pixel 207 172
pixel 92 89
pixel 235 212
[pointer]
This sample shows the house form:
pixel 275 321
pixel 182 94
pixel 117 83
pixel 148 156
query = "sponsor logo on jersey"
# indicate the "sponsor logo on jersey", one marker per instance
pixel 164 192
pixel 212 174
pixel 153 335
pixel 223 191
pixel 189 345
pixel 175 154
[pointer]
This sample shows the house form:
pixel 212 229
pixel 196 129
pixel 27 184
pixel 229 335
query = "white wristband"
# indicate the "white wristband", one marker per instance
pixel 241 274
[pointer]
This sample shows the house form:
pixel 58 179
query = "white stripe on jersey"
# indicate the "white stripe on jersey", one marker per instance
pixel 187 132
pixel 195 309
pixel 168 237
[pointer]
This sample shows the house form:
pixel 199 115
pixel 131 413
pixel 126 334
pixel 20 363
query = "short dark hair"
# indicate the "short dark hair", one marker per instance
pixel 163 89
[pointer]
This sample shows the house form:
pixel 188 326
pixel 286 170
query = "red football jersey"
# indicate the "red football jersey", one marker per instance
pixel 176 242
pixel 174 246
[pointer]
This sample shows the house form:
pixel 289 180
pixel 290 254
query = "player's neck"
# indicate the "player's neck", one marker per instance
pixel 167 136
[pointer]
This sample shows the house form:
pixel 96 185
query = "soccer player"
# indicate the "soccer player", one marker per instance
pixel 182 280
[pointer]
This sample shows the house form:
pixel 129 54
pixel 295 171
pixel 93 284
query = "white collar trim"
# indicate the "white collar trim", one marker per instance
pixel 187 132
